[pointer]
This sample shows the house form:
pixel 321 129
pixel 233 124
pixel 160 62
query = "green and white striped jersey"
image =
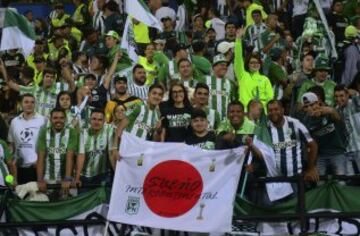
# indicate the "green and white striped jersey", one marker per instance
pixel 142 121
pixel 213 118
pixel 96 149
pixel 221 93
pixel 5 156
pixel 45 99
pixel 56 145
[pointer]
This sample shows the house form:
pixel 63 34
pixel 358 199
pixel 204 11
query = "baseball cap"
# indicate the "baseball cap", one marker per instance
pixel 218 59
pixel 113 34
pixel 322 63
pixel 165 12
pixel 198 113
pixel 224 47
pixel 119 78
pixel 160 40
pixel 309 97
pixel 351 32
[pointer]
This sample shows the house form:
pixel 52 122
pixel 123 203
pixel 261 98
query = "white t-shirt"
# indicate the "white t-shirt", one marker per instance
pixel 24 134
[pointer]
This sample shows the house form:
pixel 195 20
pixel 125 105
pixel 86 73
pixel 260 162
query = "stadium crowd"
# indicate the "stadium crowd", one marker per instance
pixel 217 72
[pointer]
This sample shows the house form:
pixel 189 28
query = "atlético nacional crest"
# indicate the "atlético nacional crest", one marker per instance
pixel 132 205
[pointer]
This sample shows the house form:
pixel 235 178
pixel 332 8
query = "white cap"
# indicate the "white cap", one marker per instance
pixel 309 97
pixel 224 47
pixel 165 12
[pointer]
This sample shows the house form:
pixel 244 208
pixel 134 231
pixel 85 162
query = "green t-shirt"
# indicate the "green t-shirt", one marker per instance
pixel 96 150
pixel 248 127
pixel 56 145
pixel 328 87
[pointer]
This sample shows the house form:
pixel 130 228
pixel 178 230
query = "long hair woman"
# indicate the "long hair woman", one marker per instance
pixel 176 114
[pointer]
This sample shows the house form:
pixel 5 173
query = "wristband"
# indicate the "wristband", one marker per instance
pixel 68 178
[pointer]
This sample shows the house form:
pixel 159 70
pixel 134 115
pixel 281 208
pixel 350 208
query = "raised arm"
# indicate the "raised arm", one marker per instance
pixel 239 60
pixel 111 70
pixel 12 84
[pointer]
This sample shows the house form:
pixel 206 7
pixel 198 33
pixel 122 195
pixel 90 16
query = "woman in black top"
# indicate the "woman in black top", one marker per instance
pixel 176 114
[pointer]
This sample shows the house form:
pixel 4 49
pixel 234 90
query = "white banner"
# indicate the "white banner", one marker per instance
pixel 175 186
pixel 128 40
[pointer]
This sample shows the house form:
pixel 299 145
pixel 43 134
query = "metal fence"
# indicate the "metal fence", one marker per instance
pixel 301 215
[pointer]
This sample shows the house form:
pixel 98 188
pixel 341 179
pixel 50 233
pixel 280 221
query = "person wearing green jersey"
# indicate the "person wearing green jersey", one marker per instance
pixel 236 130
pixel 144 120
pixel 222 90
pixel 201 101
pixel 188 76
pixel 45 94
pixel 321 79
pixel 112 44
pixel 96 151
pixel 7 163
pixel 251 84
pixel 170 71
pixel 56 149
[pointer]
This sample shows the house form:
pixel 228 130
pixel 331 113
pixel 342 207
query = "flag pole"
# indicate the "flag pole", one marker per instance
pixel 247 155
pixel 106 228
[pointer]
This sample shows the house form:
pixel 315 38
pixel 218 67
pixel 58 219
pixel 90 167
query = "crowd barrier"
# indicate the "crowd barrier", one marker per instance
pixel 334 200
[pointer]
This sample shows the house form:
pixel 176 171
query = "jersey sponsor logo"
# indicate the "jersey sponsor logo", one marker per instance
pixel 218 92
pixel 284 145
pixel 95 153
pixel 57 150
pixel 46 105
pixel 325 130
pixel 142 125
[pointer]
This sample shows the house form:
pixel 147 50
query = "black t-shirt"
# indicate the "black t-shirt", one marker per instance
pixel 207 142
pixel 328 134
pixel 176 122
pixel 98 97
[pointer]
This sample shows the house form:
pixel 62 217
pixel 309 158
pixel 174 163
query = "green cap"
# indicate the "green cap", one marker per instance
pixel 351 32
pixel 218 59
pixel 113 34
pixel 275 52
pixel 322 63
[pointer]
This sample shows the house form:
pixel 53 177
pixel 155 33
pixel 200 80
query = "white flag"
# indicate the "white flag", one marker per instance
pixel 140 11
pixel 128 40
pixel 17 32
pixel 175 186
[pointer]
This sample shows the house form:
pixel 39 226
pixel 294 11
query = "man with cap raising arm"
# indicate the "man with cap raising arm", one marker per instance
pixel 323 123
pixel 227 49
pixel 321 78
pixel 112 43
pixel 222 90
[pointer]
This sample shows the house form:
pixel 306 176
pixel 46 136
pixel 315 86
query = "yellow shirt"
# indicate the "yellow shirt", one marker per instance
pixel 30 59
pixel 59 22
pixel 141 33
pixel 150 68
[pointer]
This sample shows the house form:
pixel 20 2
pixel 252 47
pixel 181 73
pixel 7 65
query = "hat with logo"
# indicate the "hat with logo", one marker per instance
pixel 224 47
pixel 309 98
pixel 119 78
pixel 322 63
pixel 219 59
pixel 113 34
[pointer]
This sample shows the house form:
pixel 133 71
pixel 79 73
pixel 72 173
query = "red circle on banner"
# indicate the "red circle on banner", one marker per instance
pixel 172 188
